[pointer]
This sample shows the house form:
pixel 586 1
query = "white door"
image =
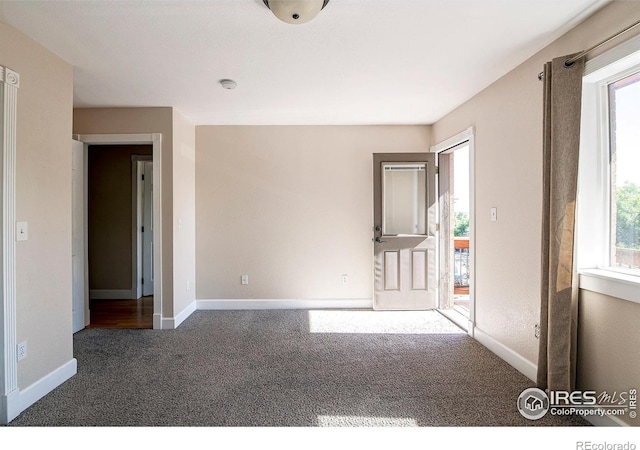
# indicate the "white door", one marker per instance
pixel 77 235
pixel 147 224
pixel 405 276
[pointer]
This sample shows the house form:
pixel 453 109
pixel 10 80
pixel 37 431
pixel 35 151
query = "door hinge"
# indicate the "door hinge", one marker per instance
pixel 142 177
pixel 437 170
pixel 142 281
pixel 143 228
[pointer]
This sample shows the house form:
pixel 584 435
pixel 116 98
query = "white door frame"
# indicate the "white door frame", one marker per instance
pixel 467 135
pixel 154 139
pixel 83 316
pixel 9 392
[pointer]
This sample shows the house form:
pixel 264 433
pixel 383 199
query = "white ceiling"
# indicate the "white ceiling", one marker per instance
pixel 358 62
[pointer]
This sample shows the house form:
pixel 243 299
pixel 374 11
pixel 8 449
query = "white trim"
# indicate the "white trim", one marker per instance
pixel 85 224
pixel 9 407
pixel 112 294
pixel 47 384
pixel 9 77
pixel 608 60
pixel 157 321
pixel 594 209
pixel 514 359
pixel 248 304
pixel 155 139
pixel 115 139
pixel 613 284
pixel 13 405
pixel 453 141
pixel 467 135
pixel 9 83
pixel 172 323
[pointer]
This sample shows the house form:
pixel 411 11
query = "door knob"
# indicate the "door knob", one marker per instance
pixel 378 228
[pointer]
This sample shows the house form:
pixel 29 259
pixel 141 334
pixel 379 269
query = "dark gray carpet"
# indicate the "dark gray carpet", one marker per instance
pixel 265 368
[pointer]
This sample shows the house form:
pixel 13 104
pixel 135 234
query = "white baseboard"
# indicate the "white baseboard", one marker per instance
pixel 157 322
pixel 171 323
pixel 112 294
pixel 185 313
pixel 9 407
pixel 18 401
pixel 248 304
pixel 530 370
pixel 514 359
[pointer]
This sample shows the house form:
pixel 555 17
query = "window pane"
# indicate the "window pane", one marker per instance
pixel 624 103
pixel 404 199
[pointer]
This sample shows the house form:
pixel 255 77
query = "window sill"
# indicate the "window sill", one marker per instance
pixel 613 284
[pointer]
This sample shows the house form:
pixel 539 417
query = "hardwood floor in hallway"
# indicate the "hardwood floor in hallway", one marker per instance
pixel 122 313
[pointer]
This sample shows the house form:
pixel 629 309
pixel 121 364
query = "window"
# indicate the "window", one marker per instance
pixel 624 167
pixel 608 221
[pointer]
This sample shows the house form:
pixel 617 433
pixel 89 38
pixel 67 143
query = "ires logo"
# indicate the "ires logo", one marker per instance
pixel 535 403
pixel 575 398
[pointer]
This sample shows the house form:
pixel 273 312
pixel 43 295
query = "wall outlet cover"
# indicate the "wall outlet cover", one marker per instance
pixel 22 350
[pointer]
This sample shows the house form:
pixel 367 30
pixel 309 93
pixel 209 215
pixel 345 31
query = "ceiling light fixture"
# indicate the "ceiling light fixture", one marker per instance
pixel 295 11
pixel 228 84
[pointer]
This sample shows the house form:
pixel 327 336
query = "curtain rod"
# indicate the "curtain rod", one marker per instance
pixel 569 62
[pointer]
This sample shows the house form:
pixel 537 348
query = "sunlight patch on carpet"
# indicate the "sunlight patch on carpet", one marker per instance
pixel 381 322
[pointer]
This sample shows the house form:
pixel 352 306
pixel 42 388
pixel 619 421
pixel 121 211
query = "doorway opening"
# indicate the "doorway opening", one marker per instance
pixel 456 234
pixel 125 294
pixel 120 235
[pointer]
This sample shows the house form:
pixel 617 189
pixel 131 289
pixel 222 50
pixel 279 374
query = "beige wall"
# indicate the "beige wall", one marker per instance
pixel 43 199
pixel 110 215
pixel 137 121
pixel 184 213
pixel 290 206
pixel 507 117
pixel 608 351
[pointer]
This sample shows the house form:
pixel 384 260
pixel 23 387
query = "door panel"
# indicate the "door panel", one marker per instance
pixel 147 237
pixel 419 269
pixel 391 271
pixel 405 275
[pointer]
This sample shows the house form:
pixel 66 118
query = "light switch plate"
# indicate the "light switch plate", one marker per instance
pixel 22 231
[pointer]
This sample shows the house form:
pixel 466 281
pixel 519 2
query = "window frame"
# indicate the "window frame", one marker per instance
pixel 594 184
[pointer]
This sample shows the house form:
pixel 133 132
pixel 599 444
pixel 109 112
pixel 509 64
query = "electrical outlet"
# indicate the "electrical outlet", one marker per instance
pixel 22 350
pixel 344 278
pixel 537 331
pixel 244 279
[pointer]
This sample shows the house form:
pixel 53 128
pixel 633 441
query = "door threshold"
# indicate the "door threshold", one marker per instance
pixel 456 317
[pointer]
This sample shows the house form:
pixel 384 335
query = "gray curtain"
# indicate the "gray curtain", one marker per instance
pixel 559 290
